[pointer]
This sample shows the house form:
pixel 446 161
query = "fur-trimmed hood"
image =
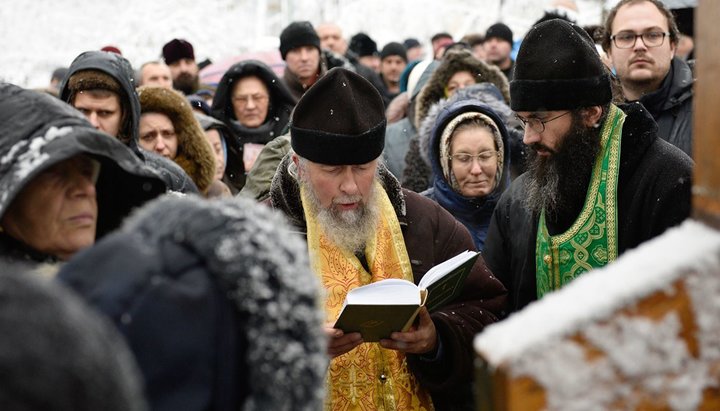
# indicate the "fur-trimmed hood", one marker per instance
pixel 453 62
pixel 217 301
pixel 285 192
pixel 279 109
pixel 194 153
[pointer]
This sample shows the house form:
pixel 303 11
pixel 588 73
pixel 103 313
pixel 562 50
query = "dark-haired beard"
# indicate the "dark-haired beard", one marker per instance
pixel 186 83
pixel 559 183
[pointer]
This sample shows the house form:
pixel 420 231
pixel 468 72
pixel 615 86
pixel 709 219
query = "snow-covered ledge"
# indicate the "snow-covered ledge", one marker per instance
pixel 642 332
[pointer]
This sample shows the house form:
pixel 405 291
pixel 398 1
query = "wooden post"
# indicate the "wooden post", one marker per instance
pixel 706 145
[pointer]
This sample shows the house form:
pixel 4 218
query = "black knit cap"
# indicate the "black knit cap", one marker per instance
pixel 363 45
pixel 340 120
pixel 177 49
pixel 501 31
pixel 394 49
pixel 558 68
pixel 298 34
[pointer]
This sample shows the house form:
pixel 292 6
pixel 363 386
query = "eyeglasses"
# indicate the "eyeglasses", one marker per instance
pixel 536 124
pixel 627 39
pixel 257 98
pixel 467 160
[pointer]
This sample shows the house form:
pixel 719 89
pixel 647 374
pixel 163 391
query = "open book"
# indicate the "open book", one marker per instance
pixel 378 309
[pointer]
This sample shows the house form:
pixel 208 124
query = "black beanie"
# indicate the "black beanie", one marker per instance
pixel 501 31
pixel 298 34
pixel 340 120
pixel 558 68
pixel 362 45
pixel 394 49
pixel 177 49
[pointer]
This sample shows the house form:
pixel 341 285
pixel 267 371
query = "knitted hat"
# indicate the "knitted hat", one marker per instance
pixel 93 79
pixel 394 49
pixel 298 34
pixel 363 45
pixel 501 31
pixel 340 120
pixel 410 43
pixel 558 68
pixel 176 50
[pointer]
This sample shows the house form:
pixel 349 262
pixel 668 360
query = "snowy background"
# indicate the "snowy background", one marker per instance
pixel 36 36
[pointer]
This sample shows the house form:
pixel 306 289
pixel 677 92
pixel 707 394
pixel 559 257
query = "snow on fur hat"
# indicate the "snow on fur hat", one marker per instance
pixel 558 68
pixel 298 34
pixel 93 79
pixel 194 154
pixel 177 49
pixel 340 120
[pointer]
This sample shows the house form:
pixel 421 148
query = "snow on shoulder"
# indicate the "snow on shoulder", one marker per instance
pixel 644 329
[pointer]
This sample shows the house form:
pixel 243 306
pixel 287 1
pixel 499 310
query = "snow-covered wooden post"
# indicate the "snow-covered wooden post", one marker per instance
pixel 706 151
pixel 642 333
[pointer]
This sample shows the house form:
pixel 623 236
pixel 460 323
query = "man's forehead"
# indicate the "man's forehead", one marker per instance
pixel 643 13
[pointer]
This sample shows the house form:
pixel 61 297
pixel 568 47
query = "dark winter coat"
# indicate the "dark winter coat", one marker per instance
pixel 431 235
pixel 473 213
pixel 417 171
pixel 120 69
pixel 217 303
pixel 279 109
pixel 671 106
pixel 653 194
pixel 39 131
pixel 234 176
pixel 58 354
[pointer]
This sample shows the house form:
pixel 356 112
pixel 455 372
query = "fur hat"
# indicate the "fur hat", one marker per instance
pixel 394 49
pixel 177 49
pixel 298 34
pixel 93 79
pixel 500 31
pixel 558 68
pixel 363 45
pixel 194 154
pixel 340 120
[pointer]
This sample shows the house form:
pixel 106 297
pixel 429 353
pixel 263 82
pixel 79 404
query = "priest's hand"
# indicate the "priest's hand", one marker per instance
pixel 339 343
pixel 419 339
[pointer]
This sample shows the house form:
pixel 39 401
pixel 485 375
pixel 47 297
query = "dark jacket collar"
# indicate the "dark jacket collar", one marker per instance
pixel 674 90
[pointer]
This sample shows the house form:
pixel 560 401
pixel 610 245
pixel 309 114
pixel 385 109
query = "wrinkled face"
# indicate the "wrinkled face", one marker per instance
pixel 250 100
pixel 331 38
pixel 304 62
pixel 343 188
pixel 213 137
pixel 474 161
pixel 458 81
pixel 391 68
pixel 641 64
pixel 157 134
pixel 56 213
pixel 102 110
pixel 497 50
pixel 156 75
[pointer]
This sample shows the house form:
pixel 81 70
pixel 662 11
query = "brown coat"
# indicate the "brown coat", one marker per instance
pixel 431 235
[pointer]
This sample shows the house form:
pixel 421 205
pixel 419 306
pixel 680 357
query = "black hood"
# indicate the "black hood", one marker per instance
pixel 120 69
pixel 281 102
pixel 39 131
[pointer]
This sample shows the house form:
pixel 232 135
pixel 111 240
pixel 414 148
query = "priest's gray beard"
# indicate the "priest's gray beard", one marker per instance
pixel 348 230
pixel 559 183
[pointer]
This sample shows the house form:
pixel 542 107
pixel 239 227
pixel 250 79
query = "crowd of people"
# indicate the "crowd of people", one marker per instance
pixel 191 245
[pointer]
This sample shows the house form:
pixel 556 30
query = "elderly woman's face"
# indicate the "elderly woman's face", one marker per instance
pixel 56 213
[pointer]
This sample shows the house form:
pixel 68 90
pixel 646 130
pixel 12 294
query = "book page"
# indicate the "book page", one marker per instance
pixel 438 271
pixel 390 291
